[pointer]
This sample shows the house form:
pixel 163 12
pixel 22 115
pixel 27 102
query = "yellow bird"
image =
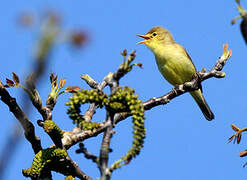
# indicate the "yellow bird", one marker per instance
pixel 174 63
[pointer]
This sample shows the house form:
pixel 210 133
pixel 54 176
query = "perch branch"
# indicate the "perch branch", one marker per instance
pixel 186 87
pixel 72 137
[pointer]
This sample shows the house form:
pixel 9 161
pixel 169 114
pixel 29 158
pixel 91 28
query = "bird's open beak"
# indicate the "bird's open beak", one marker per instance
pixel 143 36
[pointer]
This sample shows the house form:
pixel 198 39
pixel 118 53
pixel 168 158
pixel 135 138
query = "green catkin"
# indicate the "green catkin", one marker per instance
pixel 82 97
pixel 131 103
pixel 51 128
pixel 42 160
pixel 69 178
pixel 123 100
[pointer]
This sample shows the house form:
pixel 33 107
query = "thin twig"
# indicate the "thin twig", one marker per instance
pixel 87 154
pixel 92 107
pixel 76 171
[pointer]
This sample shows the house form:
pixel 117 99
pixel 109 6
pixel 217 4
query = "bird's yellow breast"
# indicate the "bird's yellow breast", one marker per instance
pixel 174 63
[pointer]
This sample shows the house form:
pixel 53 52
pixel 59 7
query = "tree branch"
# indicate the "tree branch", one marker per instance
pixel 105 148
pixel 194 84
pixel 27 125
pixel 76 171
pixel 72 137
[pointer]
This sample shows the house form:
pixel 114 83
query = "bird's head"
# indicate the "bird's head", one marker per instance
pixel 155 37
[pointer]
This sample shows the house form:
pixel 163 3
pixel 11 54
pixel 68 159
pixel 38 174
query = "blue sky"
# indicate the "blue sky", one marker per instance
pixel 180 143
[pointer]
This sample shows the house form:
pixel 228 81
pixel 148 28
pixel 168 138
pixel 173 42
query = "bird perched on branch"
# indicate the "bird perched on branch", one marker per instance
pixel 174 63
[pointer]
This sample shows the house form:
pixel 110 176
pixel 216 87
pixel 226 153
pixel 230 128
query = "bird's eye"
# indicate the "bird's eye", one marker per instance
pixel 154 34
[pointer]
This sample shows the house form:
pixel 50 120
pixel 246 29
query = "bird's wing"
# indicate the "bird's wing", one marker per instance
pixel 185 52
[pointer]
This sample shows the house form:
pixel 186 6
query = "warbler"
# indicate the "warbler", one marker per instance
pixel 174 63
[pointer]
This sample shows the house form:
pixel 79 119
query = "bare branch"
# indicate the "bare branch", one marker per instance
pixel 124 68
pixel 105 149
pixel 90 81
pixel 92 108
pixel 23 119
pixel 76 171
pixel 71 138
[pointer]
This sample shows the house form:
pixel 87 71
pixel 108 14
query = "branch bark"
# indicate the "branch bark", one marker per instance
pixel 27 125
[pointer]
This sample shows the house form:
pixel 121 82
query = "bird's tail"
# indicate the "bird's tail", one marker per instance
pixel 201 102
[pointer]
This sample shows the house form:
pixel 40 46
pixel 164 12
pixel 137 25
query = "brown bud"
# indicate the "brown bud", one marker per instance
pixel 133 53
pixel 78 38
pixel 230 53
pixel 225 47
pixel 72 88
pixel 26 19
pixel 235 128
pixel 124 53
pixel 10 83
pixel 62 83
pixel 15 78
pixel 239 138
pixel 204 70
pixel 139 64
pixel 53 79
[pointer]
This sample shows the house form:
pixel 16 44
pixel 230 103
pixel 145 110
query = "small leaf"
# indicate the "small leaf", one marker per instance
pixel 230 53
pixel 10 82
pixel 72 88
pixel 239 138
pixel 124 53
pixel 139 64
pixel 230 139
pixel 234 139
pixel 226 53
pixel 243 28
pixel 133 53
pixel 233 21
pixel 235 128
pixel 15 78
pixel 225 47
pixel 62 83
pixel 53 79
pixel 243 153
